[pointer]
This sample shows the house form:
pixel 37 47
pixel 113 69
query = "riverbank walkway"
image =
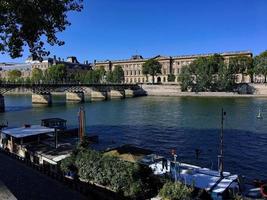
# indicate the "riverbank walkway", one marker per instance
pixel 28 184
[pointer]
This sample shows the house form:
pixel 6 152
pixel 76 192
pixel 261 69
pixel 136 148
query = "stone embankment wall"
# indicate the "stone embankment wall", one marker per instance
pixel 258 89
pixel 244 90
pixel 162 90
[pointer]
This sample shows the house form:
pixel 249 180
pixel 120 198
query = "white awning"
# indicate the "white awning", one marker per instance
pixel 22 132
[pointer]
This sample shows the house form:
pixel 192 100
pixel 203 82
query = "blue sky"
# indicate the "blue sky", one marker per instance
pixel 117 29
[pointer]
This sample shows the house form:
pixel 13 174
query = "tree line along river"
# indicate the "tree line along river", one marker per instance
pixel 165 123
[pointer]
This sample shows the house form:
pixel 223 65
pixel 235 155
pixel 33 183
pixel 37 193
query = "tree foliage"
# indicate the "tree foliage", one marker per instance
pixel 207 74
pixel 14 74
pixel 29 22
pixel 116 76
pixel 176 191
pixel 37 75
pixel 260 63
pixel 151 67
pixel 129 179
pixel 241 65
pixel 57 73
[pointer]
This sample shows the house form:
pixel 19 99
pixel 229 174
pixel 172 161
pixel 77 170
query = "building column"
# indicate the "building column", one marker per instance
pixel 2 103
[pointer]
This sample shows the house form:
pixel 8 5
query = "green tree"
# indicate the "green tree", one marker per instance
pixel 171 78
pixel 109 77
pixel 102 72
pixel 151 67
pixel 115 76
pixel 128 179
pixel 31 22
pixel 118 74
pixel 14 75
pixel 186 79
pixel 37 75
pixel 176 191
pixel 242 65
pixel 226 79
pixel 57 73
pixel 260 63
pixel 205 70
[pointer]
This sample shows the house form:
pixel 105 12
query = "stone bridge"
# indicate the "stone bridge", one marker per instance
pixel 42 93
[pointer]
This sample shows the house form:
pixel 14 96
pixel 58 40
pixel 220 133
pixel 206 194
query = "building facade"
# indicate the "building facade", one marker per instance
pixel 170 65
pixel 72 64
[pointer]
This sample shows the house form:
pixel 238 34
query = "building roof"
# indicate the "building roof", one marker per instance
pixel 22 132
pixel 229 53
pixel 54 120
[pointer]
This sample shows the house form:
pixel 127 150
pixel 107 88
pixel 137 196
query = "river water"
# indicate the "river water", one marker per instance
pixel 165 123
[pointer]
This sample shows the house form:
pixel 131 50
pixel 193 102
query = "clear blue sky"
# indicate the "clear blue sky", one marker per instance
pixel 115 29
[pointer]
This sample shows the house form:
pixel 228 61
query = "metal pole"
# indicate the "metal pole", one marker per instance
pixel 175 166
pixel 221 145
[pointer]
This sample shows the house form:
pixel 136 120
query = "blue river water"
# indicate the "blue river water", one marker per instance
pixel 165 123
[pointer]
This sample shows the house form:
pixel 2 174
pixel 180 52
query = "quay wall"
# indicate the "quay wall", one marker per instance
pixel 162 90
pixel 244 90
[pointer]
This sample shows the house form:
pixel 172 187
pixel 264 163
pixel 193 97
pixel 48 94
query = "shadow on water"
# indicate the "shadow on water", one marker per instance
pixel 238 158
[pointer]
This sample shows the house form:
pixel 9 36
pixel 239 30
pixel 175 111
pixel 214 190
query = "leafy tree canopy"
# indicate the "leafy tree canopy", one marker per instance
pixel 37 75
pixel 14 74
pixel 260 63
pixel 57 73
pixel 29 22
pixel 151 67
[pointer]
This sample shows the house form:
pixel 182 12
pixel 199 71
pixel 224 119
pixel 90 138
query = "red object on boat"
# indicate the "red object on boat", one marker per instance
pixel 173 151
pixel 264 190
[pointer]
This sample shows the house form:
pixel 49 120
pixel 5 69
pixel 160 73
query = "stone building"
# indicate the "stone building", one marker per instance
pixel 72 64
pixel 170 65
pixel 25 69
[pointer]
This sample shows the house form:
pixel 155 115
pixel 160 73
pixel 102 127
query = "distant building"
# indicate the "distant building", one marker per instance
pixel 71 63
pixel 170 65
pixel 25 69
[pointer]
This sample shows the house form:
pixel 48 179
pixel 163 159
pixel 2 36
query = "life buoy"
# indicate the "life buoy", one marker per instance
pixel 264 190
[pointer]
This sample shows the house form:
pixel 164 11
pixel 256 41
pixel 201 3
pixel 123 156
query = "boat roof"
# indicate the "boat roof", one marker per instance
pixel 55 119
pixel 22 132
pixel 205 178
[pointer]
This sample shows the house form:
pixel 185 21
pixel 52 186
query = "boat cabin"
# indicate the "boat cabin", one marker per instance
pixel 39 144
pixel 16 140
pixel 58 123
pixel 219 187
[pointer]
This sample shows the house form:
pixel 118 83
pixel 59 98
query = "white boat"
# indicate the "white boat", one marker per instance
pixel 201 178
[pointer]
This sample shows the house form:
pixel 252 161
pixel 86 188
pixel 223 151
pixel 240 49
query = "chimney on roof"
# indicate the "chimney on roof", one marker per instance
pixel 54 60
